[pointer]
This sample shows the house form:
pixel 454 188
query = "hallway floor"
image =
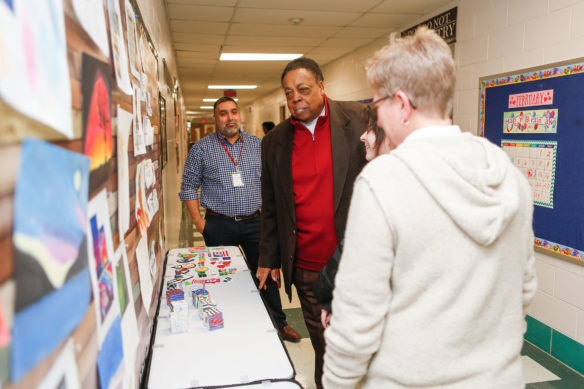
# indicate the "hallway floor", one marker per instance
pixel 540 370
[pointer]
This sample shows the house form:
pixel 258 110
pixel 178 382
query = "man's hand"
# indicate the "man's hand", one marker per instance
pixel 200 224
pixel 262 276
pixel 198 221
pixel 325 317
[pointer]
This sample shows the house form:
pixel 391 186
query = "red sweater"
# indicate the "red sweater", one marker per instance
pixel 312 177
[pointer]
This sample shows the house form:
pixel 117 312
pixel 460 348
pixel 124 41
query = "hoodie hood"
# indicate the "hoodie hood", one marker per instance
pixel 470 178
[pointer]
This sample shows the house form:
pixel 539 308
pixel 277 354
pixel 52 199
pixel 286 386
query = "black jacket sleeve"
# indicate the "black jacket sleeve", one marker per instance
pixel 323 289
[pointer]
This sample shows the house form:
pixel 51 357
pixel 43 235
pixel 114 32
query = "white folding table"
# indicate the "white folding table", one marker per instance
pixel 246 351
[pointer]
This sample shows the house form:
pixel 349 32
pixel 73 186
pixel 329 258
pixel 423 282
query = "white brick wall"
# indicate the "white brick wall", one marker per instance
pixel 494 36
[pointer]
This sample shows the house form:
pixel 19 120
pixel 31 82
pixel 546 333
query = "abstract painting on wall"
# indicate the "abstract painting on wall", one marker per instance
pixel 97 126
pixel 101 269
pixel 50 251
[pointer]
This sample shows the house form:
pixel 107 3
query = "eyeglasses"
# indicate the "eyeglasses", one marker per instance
pixel 372 106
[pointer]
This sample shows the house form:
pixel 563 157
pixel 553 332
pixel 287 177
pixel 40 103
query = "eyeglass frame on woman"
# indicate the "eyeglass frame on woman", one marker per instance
pixel 372 106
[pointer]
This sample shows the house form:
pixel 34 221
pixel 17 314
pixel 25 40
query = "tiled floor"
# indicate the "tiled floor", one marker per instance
pixel 540 370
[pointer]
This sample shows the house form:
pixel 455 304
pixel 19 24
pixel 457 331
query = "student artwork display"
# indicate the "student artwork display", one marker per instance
pixel 91 16
pixel 119 47
pixel 101 268
pixel 124 125
pixel 139 137
pixel 142 215
pixel 110 364
pixel 202 266
pixel 536 116
pixel 133 54
pixel 63 372
pixel 97 126
pixel 50 257
pixel 34 74
pixel 146 286
pixel 129 326
pixel 5 339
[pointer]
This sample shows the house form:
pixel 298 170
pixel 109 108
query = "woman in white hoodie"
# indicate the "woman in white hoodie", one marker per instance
pixel 438 265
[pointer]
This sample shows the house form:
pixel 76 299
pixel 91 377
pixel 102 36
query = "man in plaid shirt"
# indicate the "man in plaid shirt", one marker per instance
pixel 226 165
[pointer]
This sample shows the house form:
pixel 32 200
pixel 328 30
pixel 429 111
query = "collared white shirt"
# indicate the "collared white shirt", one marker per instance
pixel 312 125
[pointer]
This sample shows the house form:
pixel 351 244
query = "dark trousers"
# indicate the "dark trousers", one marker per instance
pixel 304 281
pixel 221 231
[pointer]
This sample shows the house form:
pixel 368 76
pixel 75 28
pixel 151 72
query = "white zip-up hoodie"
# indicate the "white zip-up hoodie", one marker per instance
pixel 437 269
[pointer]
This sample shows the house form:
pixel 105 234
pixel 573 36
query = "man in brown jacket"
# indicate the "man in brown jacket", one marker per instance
pixel 309 164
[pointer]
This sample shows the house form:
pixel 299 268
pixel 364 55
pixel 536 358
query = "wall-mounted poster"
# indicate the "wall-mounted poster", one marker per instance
pixel 536 116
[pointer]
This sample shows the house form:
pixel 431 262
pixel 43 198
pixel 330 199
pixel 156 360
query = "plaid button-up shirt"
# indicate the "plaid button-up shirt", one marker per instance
pixel 209 167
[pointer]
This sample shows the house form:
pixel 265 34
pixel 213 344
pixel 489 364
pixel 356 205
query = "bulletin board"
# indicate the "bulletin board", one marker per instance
pixel 537 116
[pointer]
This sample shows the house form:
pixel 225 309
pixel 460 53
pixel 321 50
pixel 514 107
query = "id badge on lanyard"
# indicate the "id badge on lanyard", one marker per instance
pixel 237 179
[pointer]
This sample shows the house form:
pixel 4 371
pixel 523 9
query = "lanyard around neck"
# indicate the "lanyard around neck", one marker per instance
pixel 227 151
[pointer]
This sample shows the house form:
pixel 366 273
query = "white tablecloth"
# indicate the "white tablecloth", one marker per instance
pixel 246 350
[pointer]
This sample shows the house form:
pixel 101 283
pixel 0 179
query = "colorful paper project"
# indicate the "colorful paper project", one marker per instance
pixel 97 127
pixel 50 201
pixel 129 325
pixel 5 325
pixel 34 73
pixel 146 286
pixel 134 57
pixel 124 125
pixel 110 360
pixel 101 254
pixel 142 215
pixel 537 121
pixel 92 18
pixel 63 373
pixel 139 139
pixel 119 47
pixel 537 161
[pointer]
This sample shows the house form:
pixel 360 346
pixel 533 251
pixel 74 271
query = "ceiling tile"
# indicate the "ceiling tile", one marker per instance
pixel 351 43
pixel 320 5
pixel 280 17
pixel 198 27
pixel 378 20
pixel 200 13
pixel 229 3
pixel 272 41
pixel 287 30
pixel 197 47
pixel 187 37
pixel 362 32
pixel 419 7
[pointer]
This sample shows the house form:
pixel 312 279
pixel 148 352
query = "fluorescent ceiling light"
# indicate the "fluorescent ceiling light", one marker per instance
pixel 232 86
pixel 257 57
pixel 213 100
pixel 206 107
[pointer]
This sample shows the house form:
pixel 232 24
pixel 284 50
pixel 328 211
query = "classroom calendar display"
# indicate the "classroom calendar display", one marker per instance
pixel 537 161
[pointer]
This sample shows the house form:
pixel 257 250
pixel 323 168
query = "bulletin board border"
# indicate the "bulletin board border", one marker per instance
pixel 552 70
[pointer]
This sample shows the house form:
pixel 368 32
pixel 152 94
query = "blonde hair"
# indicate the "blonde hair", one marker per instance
pixel 421 65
